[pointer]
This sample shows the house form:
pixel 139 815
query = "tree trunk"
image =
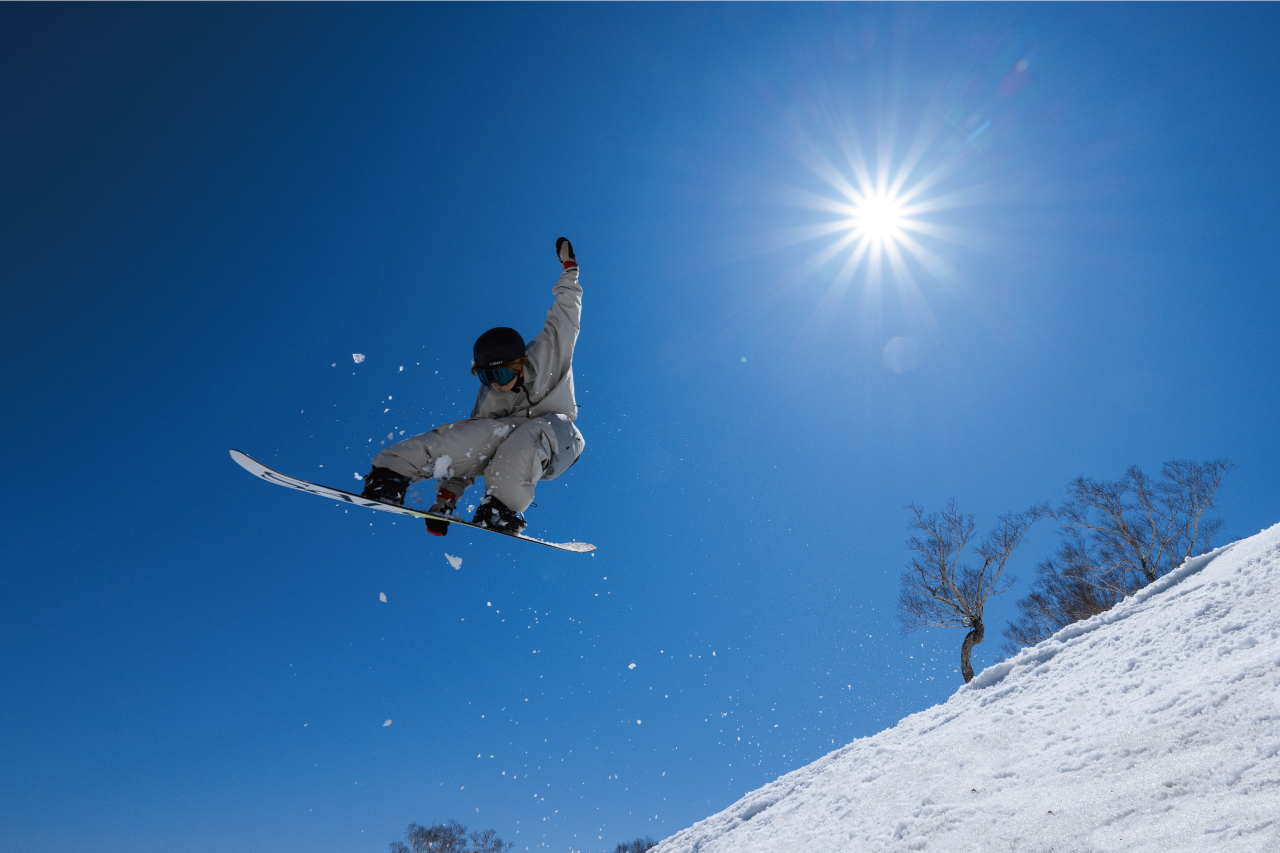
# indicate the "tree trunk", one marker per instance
pixel 971 639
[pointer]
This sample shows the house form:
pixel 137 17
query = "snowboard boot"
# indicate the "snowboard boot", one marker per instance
pixel 496 515
pixel 386 486
pixel 446 503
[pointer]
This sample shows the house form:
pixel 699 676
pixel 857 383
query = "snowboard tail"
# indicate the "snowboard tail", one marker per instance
pixel 262 472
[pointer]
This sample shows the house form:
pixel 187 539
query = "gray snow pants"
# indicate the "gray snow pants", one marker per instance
pixel 512 454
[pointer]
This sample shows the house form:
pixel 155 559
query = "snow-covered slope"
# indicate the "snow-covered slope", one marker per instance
pixel 1154 726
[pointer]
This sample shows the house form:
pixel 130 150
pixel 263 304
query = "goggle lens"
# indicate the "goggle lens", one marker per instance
pixel 500 375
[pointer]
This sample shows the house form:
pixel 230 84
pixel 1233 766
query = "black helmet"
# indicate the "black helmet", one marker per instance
pixel 497 347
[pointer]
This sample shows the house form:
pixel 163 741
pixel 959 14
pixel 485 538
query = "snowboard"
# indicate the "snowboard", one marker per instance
pixel 262 472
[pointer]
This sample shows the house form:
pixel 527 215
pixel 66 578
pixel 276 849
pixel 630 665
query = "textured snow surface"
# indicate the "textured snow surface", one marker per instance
pixel 1154 727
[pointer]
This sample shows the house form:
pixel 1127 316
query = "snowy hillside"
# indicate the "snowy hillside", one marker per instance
pixel 1155 727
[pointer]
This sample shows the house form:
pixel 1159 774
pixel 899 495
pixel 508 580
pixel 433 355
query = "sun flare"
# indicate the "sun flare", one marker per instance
pixel 878 217
pixel 889 226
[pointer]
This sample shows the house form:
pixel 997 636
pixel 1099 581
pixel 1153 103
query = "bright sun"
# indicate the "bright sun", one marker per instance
pixel 880 221
pixel 879 217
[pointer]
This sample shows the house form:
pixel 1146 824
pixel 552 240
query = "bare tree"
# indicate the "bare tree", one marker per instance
pixel 640 845
pixel 1119 536
pixel 449 837
pixel 1063 593
pixel 940 591
pixel 1139 529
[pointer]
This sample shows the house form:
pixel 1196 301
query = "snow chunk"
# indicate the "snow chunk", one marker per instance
pixel 358 477
pixel 357 357
pixel 456 562
pixel 387 723
pixel 382 596
pixel 631 666
pixel 442 466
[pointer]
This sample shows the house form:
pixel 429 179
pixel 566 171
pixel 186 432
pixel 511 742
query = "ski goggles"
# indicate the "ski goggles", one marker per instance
pixel 496 375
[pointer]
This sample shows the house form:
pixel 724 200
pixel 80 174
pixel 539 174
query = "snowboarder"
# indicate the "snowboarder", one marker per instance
pixel 520 431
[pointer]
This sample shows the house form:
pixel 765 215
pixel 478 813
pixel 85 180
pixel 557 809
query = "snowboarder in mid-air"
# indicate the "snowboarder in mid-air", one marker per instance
pixel 520 431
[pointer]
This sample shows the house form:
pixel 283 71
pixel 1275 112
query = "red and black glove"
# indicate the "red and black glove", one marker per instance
pixel 564 251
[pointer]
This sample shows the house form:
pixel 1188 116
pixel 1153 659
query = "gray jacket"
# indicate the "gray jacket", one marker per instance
pixel 548 375
pixel 515 439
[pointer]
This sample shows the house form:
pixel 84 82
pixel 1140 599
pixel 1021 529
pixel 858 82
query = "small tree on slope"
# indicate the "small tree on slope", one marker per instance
pixel 1063 593
pixel 1117 537
pixel 940 591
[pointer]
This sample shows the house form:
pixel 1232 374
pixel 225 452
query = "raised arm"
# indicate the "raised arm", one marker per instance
pixel 551 352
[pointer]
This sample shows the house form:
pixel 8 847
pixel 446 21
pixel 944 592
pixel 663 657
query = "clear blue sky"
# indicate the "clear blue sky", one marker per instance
pixel 206 209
